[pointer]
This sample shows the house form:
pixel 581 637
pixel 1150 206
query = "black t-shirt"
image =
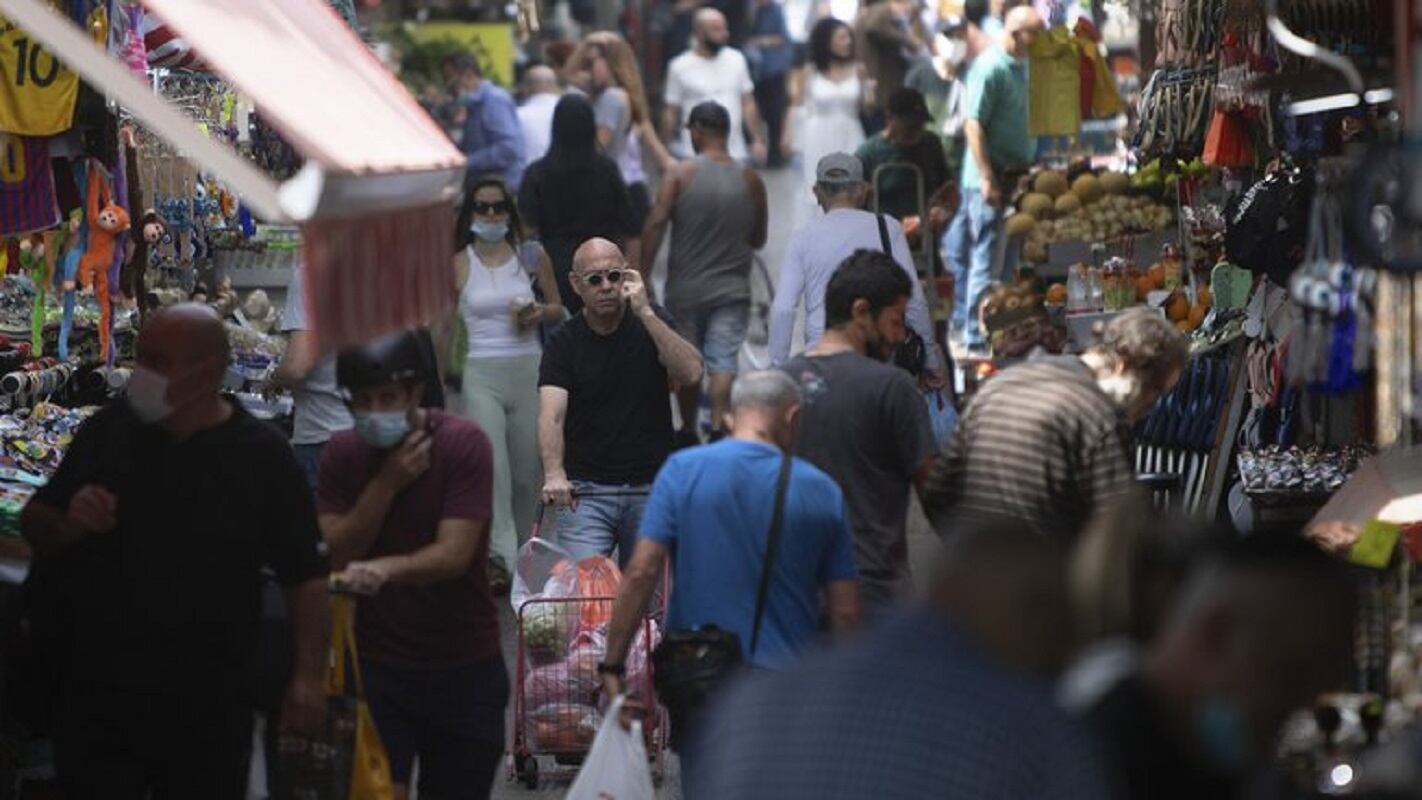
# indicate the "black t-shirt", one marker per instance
pixel 618 429
pixel 169 600
pixel 569 207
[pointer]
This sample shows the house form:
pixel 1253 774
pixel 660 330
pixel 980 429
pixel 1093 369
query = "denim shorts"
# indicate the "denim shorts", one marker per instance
pixel 718 332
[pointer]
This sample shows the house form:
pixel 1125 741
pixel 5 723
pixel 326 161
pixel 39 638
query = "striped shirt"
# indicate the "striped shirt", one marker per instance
pixel 1040 443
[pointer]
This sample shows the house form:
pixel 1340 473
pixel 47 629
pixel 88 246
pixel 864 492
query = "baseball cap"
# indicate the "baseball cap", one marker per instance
pixel 839 168
pixel 906 102
pixel 711 116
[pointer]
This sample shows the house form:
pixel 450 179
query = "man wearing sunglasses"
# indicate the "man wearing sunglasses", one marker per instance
pixel 604 422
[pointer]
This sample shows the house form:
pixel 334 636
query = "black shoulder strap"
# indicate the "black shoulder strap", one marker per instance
pixel 772 544
pixel 883 234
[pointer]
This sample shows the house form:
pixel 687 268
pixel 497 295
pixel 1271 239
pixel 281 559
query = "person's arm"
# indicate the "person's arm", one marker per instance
pixel 446 558
pixel 666 162
pixel 796 92
pixel 977 150
pixel 442 330
pixel 298 360
pixel 919 319
pixel 657 220
pixel 548 285
pixel 552 411
pixel 50 531
pixel 751 113
pixel 639 581
pixel 910 429
pixel 349 535
pixel 842 599
pixel 309 609
pixel 505 138
pixel 680 357
pixel 530 202
pixel 787 297
pixel 761 229
pixel 672 98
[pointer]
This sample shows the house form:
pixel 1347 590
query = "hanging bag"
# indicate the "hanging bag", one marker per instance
pixel 349 761
pixel 616 766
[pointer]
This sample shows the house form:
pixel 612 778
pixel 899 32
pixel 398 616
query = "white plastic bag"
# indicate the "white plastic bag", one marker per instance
pixel 616 766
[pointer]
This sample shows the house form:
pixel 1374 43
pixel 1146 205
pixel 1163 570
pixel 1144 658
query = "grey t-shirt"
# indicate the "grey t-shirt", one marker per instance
pixel 866 424
pixel 613 110
pixel 320 411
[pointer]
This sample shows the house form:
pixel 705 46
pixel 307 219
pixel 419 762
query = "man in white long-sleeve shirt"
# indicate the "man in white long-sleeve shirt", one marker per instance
pixel 818 248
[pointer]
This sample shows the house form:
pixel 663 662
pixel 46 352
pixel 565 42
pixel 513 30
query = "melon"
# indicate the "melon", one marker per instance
pixel 1051 183
pixel 1067 204
pixel 1114 182
pixel 1087 188
pixel 1036 204
pixel 1020 224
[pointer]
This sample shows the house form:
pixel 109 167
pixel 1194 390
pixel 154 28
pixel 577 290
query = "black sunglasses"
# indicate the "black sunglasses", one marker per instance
pixel 594 279
pixel 501 207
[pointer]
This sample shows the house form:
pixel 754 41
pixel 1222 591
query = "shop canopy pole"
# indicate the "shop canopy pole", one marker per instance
pixel 83 55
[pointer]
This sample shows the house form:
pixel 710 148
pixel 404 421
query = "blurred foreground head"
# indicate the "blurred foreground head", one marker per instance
pixel 1259 631
pixel 1007 587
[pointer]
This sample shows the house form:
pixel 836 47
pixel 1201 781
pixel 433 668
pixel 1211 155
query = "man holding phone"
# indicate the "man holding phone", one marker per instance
pixel 404 504
pixel 604 421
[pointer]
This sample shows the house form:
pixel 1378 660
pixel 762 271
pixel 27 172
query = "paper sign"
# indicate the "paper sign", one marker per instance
pixel 1374 548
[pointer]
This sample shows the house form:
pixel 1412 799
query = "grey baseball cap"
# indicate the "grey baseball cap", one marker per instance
pixel 839 168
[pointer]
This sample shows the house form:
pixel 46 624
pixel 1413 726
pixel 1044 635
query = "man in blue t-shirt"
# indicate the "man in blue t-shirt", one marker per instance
pixel 710 511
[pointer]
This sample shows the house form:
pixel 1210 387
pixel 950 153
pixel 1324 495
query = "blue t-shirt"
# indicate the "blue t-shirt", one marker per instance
pixel 711 507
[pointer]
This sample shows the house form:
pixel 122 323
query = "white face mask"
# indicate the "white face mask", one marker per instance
pixel 952 51
pixel 1124 389
pixel 148 396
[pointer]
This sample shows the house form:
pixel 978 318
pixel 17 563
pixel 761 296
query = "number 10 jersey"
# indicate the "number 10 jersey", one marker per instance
pixel 37 91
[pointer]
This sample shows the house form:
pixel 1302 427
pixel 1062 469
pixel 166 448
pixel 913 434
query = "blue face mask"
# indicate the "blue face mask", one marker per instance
pixel 490 231
pixel 382 429
pixel 1224 739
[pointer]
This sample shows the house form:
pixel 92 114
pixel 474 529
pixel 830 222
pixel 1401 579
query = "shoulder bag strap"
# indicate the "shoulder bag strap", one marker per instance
pixel 772 544
pixel 883 235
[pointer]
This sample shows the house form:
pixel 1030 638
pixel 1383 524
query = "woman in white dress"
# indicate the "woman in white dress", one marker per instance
pixel 828 94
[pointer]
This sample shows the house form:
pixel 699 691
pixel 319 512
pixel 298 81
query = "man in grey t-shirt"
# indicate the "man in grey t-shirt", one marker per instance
pixel 320 411
pixel 864 421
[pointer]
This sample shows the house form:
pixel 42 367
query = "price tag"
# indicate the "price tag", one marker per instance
pixel 1374 548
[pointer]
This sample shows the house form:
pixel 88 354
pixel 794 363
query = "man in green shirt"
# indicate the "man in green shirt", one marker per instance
pixel 905 142
pixel 998 144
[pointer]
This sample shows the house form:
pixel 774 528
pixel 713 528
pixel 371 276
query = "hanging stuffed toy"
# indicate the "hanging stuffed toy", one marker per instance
pixel 69 252
pixel 34 260
pixel 106 221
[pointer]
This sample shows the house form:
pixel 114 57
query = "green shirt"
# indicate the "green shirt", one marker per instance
pixel 896 188
pixel 997 98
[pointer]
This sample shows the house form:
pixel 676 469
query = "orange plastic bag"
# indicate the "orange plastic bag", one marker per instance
pixel 596 576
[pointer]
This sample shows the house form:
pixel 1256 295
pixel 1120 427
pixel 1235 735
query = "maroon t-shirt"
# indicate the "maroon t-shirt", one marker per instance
pixel 451 623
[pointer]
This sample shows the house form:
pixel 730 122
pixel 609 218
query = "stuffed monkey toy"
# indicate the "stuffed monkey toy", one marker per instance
pixel 106 221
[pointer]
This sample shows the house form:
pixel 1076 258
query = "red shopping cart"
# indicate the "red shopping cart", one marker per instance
pixel 561 639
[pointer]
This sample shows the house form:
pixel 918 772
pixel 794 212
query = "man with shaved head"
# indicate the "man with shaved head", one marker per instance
pixel 604 419
pixel 535 116
pixel 711 70
pixel 152 534
pixel 999 149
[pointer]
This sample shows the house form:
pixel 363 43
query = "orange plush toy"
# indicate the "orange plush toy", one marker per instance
pixel 106 221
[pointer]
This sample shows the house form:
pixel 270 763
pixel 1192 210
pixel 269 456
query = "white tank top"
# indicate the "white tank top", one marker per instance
pixel 484 303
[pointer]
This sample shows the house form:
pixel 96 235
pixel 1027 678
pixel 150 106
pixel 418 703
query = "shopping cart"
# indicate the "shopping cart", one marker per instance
pixel 561 640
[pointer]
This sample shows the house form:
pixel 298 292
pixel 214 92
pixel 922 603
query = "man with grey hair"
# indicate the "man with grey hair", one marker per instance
pixel 818 249
pixel 711 512
pixel 535 116
pixel 1047 442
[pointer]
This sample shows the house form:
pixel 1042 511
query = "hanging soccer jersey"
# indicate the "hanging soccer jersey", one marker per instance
pixel 37 91
pixel 26 185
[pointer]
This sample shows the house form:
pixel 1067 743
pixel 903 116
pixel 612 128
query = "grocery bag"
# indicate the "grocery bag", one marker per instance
pixel 348 762
pixel 616 766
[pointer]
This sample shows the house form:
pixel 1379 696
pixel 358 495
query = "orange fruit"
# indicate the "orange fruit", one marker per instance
pixel 1144 286
pixel 1057 294
pixel 1203 296
pixel 1157 276
pixel 1177 308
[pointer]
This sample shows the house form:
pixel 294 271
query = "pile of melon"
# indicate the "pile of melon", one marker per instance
pixel 1092 208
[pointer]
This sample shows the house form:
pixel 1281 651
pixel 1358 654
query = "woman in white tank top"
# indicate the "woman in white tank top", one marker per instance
pixel 501 279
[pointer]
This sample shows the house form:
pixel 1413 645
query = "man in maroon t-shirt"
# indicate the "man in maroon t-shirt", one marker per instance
pixel 404 505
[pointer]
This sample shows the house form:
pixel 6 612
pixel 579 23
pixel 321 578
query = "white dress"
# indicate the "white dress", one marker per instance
pixel 830 125
pixel 831 122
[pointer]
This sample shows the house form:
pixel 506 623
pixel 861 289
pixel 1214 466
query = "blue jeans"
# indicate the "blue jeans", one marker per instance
pixel 970 246
pixel 600 522
pixel 717 331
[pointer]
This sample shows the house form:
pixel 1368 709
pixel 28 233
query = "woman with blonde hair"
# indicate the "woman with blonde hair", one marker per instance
pixel 605 67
